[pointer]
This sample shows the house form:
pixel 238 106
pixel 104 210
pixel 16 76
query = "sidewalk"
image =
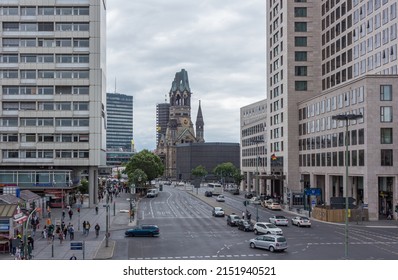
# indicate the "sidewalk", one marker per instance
pixel 94 248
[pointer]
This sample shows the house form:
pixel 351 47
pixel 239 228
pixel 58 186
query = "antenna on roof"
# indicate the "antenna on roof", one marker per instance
pixel 165 98
pixel 115 84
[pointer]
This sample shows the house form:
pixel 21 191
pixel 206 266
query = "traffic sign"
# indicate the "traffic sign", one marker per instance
pixel 76 245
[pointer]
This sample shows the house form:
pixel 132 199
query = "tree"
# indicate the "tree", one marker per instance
pixel 137 177
pixel 199 171
pixel 148 162
pixel 224 170
pixel 83 188
pixel 238 177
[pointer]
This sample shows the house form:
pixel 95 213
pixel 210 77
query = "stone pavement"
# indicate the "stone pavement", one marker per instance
pixel 94 248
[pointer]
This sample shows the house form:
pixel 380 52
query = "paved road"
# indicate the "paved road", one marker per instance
pixel 188 231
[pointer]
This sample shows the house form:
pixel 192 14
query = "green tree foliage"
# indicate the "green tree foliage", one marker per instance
pixel 138 177
pixel 83 188
pixel 228 170
pixel 146 161
pixel 199 171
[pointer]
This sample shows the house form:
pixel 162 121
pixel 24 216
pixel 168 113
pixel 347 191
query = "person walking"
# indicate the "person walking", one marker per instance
pixel 97 229
pixel 70 212
pixel 84 227
pixel 63 215
pixel 71 232
pixel 243 215
pixel 96 210
pixel 31 242
pixel 87 228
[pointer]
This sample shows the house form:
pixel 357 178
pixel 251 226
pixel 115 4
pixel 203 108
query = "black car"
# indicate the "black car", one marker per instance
pixel 245 225
pixel 248 195
pixel 208 193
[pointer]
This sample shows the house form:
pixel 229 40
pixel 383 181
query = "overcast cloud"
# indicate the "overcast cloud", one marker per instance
pixel 220 43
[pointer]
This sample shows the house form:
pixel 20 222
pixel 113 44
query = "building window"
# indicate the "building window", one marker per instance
pixel 300 56
pixel 354 158
pixel 386 157
pixel 300 41
pixel 386 92
pixel 385 114
pixel 385 135
pixel 300 27
pixel 300 70
pixel 300 85
pixel 361 158
pixel 361 136
pixel 300 12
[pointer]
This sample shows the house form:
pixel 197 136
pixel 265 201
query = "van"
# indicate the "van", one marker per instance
pixel 152 192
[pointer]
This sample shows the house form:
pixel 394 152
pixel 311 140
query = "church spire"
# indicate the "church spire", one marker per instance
pixel 200 126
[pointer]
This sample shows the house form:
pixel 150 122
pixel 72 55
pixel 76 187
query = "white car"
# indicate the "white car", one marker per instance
pixel 301 221
pixel 266 228
pixel 275 206
pixel 220 198
pixel 279 220
pixel 255 200
pixel 218 212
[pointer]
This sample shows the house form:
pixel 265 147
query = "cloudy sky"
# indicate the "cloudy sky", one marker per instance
pixel 220 43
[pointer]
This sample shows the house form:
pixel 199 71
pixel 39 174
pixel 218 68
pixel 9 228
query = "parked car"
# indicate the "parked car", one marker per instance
pixel 245 225
pixel 279 220
pixel 208 193
pixel 301 221
pixel 218 212
pixel 248 195
pixel 269 242
pixel 266 228
pixel 255 201
pixel 143 230
pixel 232 220
pixel 220 198
pixel 275 206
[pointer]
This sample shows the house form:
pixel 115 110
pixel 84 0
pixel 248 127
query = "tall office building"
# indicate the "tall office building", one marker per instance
pixel 119 112
pixel 162 119
pixel 52 113
pixel 119 130
pixel 327 58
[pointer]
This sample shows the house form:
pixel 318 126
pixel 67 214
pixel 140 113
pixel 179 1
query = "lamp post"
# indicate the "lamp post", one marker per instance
pixel 346 118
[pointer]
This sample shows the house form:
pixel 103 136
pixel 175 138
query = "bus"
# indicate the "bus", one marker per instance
pixel 56 198
pixel 214 188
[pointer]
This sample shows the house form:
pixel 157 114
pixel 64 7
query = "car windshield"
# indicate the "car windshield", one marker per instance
pixel 305 219
pixel 280 217
pixel 281 239
pixel 271 226
pixel 218 209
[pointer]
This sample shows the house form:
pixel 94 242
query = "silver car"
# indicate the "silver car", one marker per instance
pixel 266 228
pixel 279 220
pixel 269 242
pixel 301 221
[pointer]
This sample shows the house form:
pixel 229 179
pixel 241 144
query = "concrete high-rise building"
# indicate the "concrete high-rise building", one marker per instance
pixel 53 99
pixel 162 119
pixel 327 58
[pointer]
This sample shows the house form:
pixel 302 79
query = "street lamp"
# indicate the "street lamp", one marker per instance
pixel 346 118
